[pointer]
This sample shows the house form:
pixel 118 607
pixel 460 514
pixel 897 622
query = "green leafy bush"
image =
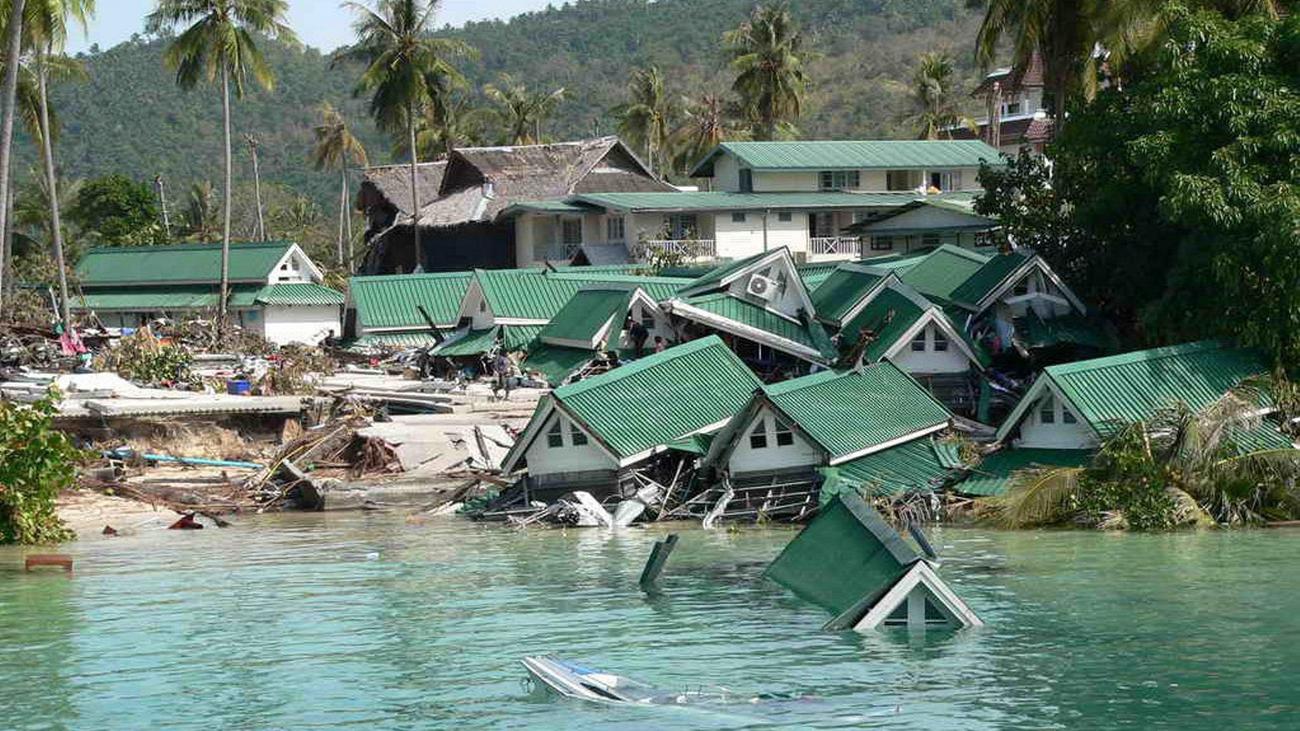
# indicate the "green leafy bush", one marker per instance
pixel 36 463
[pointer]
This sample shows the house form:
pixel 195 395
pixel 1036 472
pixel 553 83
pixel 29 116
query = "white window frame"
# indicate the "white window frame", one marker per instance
pixel 615 229
pixel 839 180
pixel 758 435
pixel 555 435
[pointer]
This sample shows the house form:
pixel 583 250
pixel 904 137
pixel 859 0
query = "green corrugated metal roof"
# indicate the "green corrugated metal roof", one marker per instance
pixel 472 342
pixel 813 335
pixel 162 299
pixel 1264 437
pixel 855 154
pixel 193 263
pixel 889 315
pixel 1133 386
pixel 390 301
pixel 963 206
pixel 725 201
pixel 915 466
pixel 846 555
pixel 994 473
pixel 943 270
pixel 694 444
pixel 712 279
pixel 535 294
pixel 843 289
pixel 394 340
pixel 1034 332
pixel 662 397
pixel 299 293
pixel 546 206
pixel 988 277
pixel 556 362
pixel 587 311
pixel 517 337
pixel 850 411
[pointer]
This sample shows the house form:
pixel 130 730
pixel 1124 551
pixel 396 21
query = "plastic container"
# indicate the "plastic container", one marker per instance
pixel 238 388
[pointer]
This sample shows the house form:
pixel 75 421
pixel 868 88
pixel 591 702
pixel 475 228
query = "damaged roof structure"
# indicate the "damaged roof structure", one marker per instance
pixel 383 311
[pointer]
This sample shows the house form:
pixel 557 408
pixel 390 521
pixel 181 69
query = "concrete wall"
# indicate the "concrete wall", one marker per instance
pixel 1058 434
pixel 780 181
pixel 930 360
pixel 745 459
pixel 544 459
pixel 295 269
pixel 308 325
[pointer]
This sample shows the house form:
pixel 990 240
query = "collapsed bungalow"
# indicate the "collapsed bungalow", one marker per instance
pixel 384 311
pixel 762 306
pixel 1072 408
pixel 276 290
pixel 593 434
pixel 773 451
pixel 462 200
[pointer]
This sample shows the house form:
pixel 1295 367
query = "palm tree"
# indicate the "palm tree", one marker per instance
pixel 455 123
pixel 521 110
pixel 645 120
pixel 406 69
pixel 767 54
pixel 200 214
pixel 706 123
pixel 335 148
pixel 219 44
pixel 936 112
pixel 253 144
pixel 47 32
pixel 14 29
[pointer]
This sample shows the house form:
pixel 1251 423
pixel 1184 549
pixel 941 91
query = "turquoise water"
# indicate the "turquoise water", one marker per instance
pixel 365 621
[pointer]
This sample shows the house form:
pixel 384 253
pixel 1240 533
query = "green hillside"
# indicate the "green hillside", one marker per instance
pixel 131 118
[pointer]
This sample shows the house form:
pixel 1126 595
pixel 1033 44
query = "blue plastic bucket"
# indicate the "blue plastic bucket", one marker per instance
pixel 238 388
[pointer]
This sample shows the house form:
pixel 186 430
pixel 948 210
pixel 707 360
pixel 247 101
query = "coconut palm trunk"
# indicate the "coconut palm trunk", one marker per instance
pixel 415 192
pixel 343 210
pixel 257 190
pixel 347 219
pixel 51 179
pixel 225 226
pixel 7 124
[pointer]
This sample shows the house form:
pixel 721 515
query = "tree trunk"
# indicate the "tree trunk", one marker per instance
pixel 225 227
pixel 257 192
pixel 7 125
pixel 343 207
pixel 347 221
pixel 415 192
pixel 51 180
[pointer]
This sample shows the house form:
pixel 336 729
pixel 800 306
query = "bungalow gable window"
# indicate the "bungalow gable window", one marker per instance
pixel 940 341
pixel 784 435
pixel 758 437
pixel 838 179
pixel 1021 289
pixel 1047 411
pixel 918 342
pixel 1067 416
pixel 555 436
pixel 576 436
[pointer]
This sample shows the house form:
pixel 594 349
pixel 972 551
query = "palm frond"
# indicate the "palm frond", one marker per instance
pixel 1038 496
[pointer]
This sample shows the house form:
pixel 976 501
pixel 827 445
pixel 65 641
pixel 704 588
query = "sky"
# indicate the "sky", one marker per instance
pixel 320 23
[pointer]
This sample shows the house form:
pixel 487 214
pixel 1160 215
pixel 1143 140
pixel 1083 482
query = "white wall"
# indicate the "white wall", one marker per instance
pixel 1058 434
pixel 545 460
pixel 773 457
pixel 930 360
pixel 293 269
pixel 1034 282
pixel 300 324
pixel 726 173
pixel 738 239
pixel 662 327
pixel 773 181
pixel 788 300
pixel 478 309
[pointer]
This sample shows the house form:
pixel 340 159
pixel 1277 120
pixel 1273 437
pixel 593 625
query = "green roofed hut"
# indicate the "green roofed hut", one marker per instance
pixel 851 563
pixel 276 291
pixel 383 312
pixel 772 451
pixel 928 221
pixel 593 434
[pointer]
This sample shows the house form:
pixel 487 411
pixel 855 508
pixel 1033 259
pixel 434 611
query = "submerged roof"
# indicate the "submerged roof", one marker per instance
pixel 177 264
pixel 921 465
pixel 851 412
pixel 748 319
pixel 555 362
pixel 942 271
pixel 1134 386
pixel 390 301
pixel 852 155
pixel 652 401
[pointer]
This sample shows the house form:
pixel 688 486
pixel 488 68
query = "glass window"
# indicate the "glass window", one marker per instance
pixel 555 436
pixel 940 341
pixel 822 225
pixel 681 225
pixel 898 180
pixel 918 342
pixel 1022 288
pixel 571 231
pixel 1067 416
pixel 615 228
pixel 784 435
pixel 1047 412
pixel 882 243
pixel 758 437
pixel 838 179
pixel 482 305
pixel 746 181
pixel 931 240
pixel 785 216
pixel 738 217
pixel 578 437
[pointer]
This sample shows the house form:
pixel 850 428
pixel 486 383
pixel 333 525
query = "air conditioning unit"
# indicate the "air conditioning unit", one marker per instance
pixel 762 287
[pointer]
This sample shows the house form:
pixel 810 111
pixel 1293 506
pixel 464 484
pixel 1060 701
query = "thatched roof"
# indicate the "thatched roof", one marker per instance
pixel 392 184
pixel 480 182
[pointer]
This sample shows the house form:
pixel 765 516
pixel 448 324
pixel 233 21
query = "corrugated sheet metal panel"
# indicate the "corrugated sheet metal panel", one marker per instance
pixel 586 313
pixel 911 467
pixel 987 278
pixel 725 201
pixel 996 471
pixel 851 411
pixel 299 293
pixel 473 342
pixel 1133 386
pixel 1034 332
pixel 843 289
pixel 862 154
pixel 538 295
pixel 556 363
pixel 394 341
pixel 888 316
pixel 943 270
pixel 390 301
pixel 713 277
pixel 161 299
pixel 662 397
pixel 812 335
pixel 181 263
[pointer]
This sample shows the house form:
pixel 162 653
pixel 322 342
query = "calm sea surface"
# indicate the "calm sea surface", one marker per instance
pixel 363 621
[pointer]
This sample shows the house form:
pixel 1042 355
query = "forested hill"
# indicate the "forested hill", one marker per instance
pixel 129 116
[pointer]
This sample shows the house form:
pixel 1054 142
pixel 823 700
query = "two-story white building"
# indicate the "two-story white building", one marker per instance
pixel 760 196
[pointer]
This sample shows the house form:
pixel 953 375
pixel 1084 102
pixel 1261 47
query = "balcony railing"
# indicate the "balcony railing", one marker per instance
pixel 687 249
pixel 556 251
pixel 835 246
